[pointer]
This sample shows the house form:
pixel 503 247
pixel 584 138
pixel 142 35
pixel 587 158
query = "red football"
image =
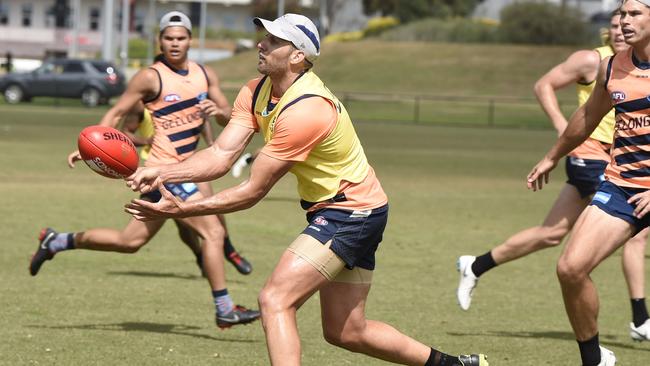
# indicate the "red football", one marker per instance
pixel 108 151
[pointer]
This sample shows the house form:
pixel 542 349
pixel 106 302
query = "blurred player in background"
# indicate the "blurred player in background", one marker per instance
pixel 140 128
pixel 181 95
pixel 585 167
pixel 307 131
pixel 619 209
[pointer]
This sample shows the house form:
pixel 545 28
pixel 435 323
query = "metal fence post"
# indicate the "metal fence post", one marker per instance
pixel 491 113
pixel 416 110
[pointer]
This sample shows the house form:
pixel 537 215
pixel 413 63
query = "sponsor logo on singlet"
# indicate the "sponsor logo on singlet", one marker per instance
pixel 632 123
pixel 172 98
pixel 183 120
pixel 618 96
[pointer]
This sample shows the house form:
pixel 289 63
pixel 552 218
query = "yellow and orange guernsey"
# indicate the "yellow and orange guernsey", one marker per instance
pixel 628 84
pixel 177 119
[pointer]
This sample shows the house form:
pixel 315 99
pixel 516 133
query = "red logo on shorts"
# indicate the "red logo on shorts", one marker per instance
pixel 320 220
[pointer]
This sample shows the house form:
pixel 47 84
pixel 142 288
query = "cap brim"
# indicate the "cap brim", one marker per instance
pixel 272 28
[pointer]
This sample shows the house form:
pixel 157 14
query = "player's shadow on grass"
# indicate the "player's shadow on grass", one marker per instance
pixel 605 339
pixel 175 329
pixel 182 276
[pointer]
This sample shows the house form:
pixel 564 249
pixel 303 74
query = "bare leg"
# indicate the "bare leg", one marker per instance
pixel 633 262
pixel 128 240
pixel 556 226
pixel 596 236
pixel 206 190
pixel 345 325
pixel 292 282
pixel 209 228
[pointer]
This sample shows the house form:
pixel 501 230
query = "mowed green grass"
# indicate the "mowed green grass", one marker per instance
pixel 459 84
pixel 452 191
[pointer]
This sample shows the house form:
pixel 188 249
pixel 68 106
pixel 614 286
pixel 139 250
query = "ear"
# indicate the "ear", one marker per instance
pixel 297 57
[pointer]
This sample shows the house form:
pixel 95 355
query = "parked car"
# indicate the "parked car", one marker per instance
pixel 91 80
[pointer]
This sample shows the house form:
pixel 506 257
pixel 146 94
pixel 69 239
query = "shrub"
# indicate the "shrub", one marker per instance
pixel 542 23
pixel 378 25
pixel 138 48
pixel 344 37
pixel 411 10
pixel 460 30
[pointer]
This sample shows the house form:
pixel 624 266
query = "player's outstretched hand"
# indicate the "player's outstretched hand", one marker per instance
pixel 540 173
pixel 642 203
pixel 73 157
pixel 168 206
pixel 144 180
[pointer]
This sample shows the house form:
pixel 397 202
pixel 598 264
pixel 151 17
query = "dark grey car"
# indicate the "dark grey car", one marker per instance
pixel 91 80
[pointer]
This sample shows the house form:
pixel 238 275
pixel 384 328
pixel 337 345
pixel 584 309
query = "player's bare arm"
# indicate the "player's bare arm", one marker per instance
pixel 580 66
pixel 217 104
pixel 131 123
pixel 582 123
pixel 205 165
pixel 143 85
pixel 265 172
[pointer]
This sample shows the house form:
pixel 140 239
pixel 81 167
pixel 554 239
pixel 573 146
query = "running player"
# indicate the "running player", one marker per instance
pixel 585 168
pixel 620 207
pixel 140 128
pixel 181 95
pixel 308 132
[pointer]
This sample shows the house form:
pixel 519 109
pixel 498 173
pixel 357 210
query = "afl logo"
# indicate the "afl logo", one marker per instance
pixel 320 220
pixel 618 96
pixel 172 98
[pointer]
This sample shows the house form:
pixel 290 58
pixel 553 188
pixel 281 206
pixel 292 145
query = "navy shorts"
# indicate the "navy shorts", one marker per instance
pixel 180 190
pixel 612 199
pixel 355 235
pixel 585 174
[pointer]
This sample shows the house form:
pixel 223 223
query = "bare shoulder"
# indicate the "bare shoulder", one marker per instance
pixel 602 69
pixel 146 80
pixel 211 74
pixel 584 59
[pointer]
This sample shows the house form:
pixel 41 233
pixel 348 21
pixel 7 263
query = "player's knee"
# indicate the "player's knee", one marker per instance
pixel 349 340
pixel 271 300
pixel 133 245
pixel 333 338
pixel 553 236
pixel 569 271
pixel 214 235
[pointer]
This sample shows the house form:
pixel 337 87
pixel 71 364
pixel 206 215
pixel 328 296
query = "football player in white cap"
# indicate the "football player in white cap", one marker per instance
pixel 309 133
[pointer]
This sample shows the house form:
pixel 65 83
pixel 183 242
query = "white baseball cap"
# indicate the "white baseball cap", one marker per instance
pixel 297 29
pixel 175 19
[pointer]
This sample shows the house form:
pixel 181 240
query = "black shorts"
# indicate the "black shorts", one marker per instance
pixel 612 199
pixel 585 174
pixel 355 235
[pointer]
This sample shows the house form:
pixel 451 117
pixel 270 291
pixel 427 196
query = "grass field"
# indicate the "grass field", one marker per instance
pixel 452 191
pixel 456 81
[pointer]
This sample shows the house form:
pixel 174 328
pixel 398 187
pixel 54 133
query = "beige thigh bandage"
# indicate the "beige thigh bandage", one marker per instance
pixel 327 262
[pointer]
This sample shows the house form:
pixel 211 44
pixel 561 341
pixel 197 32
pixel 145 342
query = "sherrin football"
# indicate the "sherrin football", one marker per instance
pixel 108 151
